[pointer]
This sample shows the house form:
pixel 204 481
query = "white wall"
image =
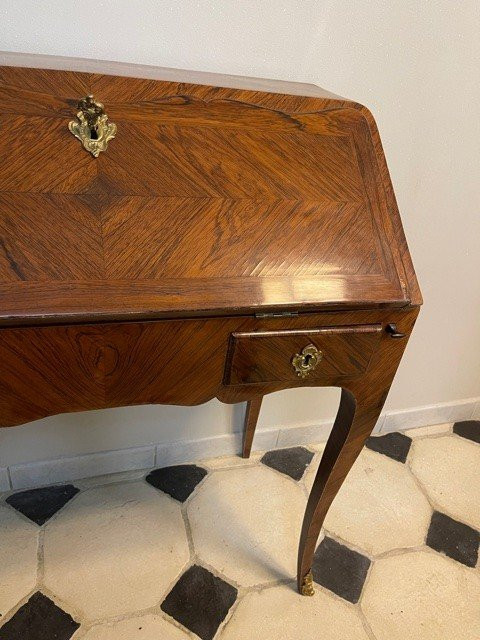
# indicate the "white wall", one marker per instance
pixel 415 64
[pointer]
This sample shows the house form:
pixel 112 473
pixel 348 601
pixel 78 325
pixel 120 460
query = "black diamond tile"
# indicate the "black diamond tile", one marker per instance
pixel 39 619
pixel 41 504
pixel 292 462
pixel 200 601
pixel 454 539
pixel 394 445
pixel 340 569
pixel 178 481
pixel 468 429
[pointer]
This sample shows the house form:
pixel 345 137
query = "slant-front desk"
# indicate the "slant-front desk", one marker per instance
pixel 174 237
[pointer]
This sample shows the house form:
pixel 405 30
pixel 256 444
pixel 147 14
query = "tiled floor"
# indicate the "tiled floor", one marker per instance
pixel 209 550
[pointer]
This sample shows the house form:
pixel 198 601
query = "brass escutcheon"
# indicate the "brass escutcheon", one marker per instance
pixel 306 361
pixel 92 128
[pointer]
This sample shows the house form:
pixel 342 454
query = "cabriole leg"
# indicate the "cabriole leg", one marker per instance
pixel 360 407
pixel 355 420
pixel 359 410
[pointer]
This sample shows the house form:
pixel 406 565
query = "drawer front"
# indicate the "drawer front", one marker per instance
pixel 302 355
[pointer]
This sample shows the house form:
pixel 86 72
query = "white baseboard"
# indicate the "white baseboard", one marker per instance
pixel 4 479
pixel 44 472
pixel 430 414
pixel 476 412
pixel 225 445
pixel 47 472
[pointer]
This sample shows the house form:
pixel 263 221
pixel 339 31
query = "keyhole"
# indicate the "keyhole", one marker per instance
pixel 308 357
pixel 93 133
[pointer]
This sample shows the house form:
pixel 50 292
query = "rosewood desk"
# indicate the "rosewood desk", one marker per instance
pixel 179 237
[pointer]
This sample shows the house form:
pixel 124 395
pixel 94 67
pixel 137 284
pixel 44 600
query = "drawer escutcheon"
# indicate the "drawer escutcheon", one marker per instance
pixel 306 361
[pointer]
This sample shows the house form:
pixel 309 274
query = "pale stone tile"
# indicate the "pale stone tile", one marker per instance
pixel 432 430
pixel 148 627
pixel 18 558
pixel 316 446
pixel 246 523
pixel 281 613
pixel 448 468
pixel 227 462
pixel 313 466
pixel 422 595
pixel 379 507
pixel 115 549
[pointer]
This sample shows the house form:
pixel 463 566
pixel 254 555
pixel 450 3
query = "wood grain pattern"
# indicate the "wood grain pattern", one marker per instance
pixel 201 163
pixel 266 356
pixel 182 362
pixel 251 418
pixel 124 279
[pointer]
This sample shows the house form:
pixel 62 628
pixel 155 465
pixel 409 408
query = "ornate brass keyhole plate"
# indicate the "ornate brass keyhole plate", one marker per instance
pixel 92 128
pixel 306 361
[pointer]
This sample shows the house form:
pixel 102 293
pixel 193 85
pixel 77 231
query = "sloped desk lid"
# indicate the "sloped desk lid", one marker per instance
pixel 208 201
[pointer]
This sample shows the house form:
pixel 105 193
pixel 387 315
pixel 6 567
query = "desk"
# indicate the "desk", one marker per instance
pixel 197 236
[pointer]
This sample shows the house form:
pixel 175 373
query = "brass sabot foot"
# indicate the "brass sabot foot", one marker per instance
pixel 307 585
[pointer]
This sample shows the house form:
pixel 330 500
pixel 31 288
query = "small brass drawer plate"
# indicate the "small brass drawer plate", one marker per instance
pixel 306 361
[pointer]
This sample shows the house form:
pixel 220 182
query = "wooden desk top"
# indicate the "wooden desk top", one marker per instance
pixel 208 201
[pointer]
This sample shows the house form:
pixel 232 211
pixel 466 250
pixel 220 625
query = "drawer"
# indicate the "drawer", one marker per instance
pixel 300 354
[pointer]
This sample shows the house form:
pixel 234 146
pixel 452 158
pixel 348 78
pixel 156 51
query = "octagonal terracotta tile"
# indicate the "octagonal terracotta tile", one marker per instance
pixel 246 523
pixel 422 595
pixel 380 506
pixel 448 468
pixel 281 613
pixel 115 549
pixel 18 558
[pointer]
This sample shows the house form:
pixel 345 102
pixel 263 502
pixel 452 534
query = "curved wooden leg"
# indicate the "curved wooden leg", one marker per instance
pixel 251 419
pixel 360 407
pixel 355 420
